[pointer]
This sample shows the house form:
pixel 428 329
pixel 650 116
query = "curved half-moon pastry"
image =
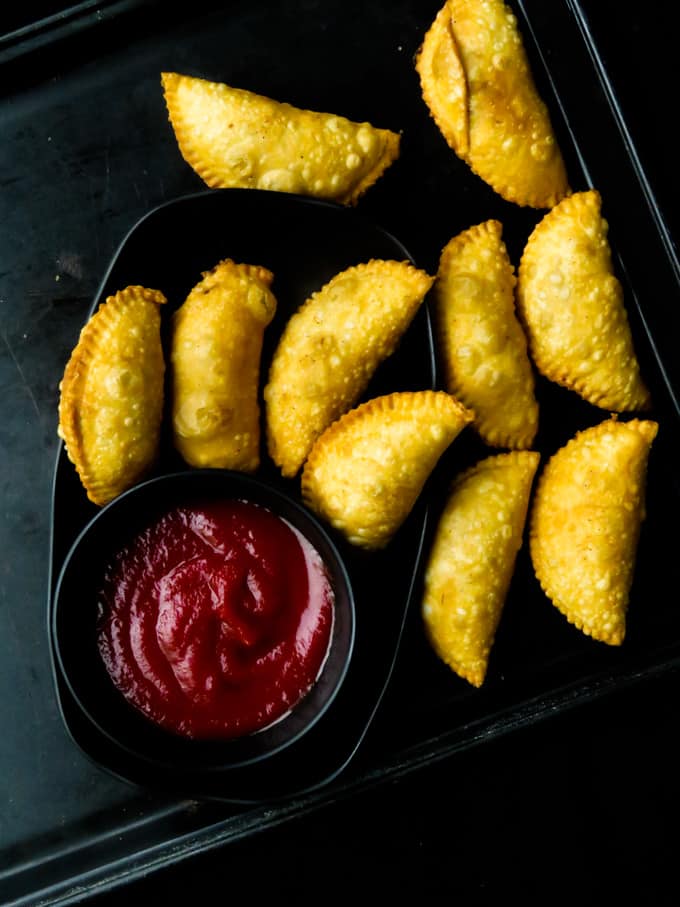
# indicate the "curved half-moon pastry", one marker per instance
pixel 585 524
pixel 481 343
pixel 365 472
pixel 236 138
pixel 472 559
pixel 216 347
pixel 330 349
pixel 479 88
pixel 111 394
pixel 571 304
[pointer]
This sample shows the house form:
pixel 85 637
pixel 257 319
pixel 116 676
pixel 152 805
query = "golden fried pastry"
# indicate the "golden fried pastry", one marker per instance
pixel 477 83
pixel 365 472
pixel 330 349
pixel 481 342
pixel 111 395
pixel 235 138
pixel 472 559
pixel 216 349
pixel 572 307
pixel 585 524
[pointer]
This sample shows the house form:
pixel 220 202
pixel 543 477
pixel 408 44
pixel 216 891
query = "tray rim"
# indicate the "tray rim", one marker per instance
pixel 69 22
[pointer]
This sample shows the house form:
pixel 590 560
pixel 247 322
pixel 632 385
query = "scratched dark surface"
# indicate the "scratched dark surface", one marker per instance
pixel 79 163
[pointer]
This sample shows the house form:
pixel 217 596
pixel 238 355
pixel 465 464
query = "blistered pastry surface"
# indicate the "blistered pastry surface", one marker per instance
pixel 481 342
pixel 216 347
pixel 477 82
pixel 111 394
pixel 571 303
pixel 365 472
pixel 330 349
pixel 472 559
pixel 585 524
pixel 237 138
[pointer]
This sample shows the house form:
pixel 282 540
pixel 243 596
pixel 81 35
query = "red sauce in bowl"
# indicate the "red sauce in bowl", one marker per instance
pixel 216 620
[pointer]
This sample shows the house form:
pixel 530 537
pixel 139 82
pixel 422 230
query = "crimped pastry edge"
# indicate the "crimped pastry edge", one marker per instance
pixel 73 381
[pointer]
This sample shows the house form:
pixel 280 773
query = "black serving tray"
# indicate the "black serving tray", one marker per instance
pixel 87 153
pixel 303 242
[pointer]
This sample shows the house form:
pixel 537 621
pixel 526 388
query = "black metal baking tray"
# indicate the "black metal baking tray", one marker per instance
pixel 88 151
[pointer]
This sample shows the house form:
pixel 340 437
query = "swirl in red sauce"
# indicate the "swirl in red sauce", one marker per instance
pixel 215 621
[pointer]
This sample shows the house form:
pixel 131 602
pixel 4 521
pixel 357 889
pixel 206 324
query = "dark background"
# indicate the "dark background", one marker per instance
pixel 579 809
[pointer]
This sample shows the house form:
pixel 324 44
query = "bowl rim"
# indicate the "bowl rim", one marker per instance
pixel 275 498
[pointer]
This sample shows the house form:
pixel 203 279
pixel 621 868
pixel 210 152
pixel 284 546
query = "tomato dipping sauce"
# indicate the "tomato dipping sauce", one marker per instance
pixel 216 620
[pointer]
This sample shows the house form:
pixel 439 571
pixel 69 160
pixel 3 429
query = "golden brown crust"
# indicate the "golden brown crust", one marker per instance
pixel 571 304
pixel 236 138
pixel 443 82
pixel 216 348
pixel 585 524
pixel 111 394
pixel 472 559
pixel 330 349
pixel 365 472
pixel 481 342
pixel 477 83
